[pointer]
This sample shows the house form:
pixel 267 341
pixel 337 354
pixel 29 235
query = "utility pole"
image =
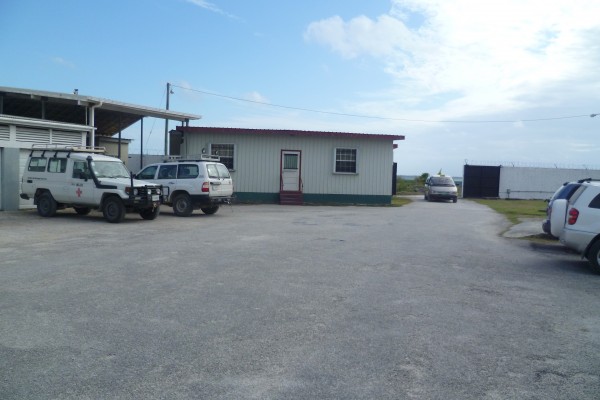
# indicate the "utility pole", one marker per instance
pixel 167 122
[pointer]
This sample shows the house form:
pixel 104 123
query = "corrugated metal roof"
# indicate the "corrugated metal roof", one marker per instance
pixel 284 132
pixel 110 115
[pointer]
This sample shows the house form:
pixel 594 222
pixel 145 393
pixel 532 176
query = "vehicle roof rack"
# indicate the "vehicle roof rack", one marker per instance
pixel 192 157
pixel 587 180
pixel 58 148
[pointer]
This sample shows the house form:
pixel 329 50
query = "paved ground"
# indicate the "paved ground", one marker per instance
pixel 272 302
pixel 526 227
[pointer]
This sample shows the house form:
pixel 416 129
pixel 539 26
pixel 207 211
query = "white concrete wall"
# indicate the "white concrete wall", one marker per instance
pixel 538 183
pixel 17 135
pixel 133 161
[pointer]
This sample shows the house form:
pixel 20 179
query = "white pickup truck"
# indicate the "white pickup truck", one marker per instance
pixel 57 177
pixel 576 221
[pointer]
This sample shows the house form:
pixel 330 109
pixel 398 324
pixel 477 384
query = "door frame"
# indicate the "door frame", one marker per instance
pixel 300 184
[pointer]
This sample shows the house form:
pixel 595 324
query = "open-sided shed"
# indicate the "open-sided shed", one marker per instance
pixel 29 117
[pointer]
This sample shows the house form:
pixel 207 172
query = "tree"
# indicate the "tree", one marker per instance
pixel 421 179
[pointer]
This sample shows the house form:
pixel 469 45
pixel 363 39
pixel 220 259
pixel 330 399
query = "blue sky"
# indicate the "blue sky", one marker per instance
pixel 512 81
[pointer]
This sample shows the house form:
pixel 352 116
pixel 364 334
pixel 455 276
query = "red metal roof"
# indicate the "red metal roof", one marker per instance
pixel 283 132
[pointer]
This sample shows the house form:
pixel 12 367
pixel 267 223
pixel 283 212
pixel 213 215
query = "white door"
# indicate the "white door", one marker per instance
pixel 290 170
pixel 167 177
pixel 81 187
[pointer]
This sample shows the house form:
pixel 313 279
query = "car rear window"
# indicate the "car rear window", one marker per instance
pixel 567 191
pixel 212 171
pixel 223 171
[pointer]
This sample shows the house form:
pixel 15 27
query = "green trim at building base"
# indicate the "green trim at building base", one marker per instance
pixel 256 198
pixel 311 198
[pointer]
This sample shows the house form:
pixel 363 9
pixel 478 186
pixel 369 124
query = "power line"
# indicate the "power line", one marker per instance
pixel 383 118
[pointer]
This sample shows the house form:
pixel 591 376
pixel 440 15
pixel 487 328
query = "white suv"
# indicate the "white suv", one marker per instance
pixel 191 183
pixel 576 221
pixel 57 177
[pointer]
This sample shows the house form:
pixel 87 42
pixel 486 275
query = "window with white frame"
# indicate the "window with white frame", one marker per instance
pixel 345 161
pixel 57 165
pixel 225 152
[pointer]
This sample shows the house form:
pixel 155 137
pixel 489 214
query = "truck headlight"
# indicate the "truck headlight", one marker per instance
pixel 128 190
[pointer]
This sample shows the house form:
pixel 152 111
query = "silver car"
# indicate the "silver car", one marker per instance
pixel 440 187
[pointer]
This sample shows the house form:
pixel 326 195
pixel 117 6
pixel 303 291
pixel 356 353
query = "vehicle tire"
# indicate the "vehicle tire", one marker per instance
pixel 150 213
pixel 209 210
pixel 454 199
pixel 113 210
pixel 182 205
pixel 82 210
pixel 425 196
pixel 46 205
pixel 593 255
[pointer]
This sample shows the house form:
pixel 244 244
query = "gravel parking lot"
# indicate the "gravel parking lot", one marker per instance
pixel 293 302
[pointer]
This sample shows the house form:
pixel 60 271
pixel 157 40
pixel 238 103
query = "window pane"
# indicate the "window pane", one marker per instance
pixel 147 173
pixel 37 164
pixel 223 172
pixel 80 170
pixel 225 152
pixel 595 203
pixel 57 165
pixel 212 171
pixel 187 171
pixel 290 161
pixel 167 172
pixel 345 160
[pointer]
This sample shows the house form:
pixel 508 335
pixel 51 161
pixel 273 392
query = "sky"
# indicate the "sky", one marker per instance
pixel 510 82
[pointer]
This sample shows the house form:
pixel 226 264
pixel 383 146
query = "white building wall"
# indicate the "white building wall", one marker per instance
pixel 538 183
pixel 257 162
pixel 17 135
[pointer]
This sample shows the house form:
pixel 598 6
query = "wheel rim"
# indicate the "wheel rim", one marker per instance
pixel 44 205
pixel 181 205
pixel 112 210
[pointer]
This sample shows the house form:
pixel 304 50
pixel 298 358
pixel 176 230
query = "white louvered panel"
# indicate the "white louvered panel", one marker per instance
pixel 4 132
pixel 67 138
pixel 32 135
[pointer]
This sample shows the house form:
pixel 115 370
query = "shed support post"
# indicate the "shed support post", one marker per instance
pixel 142 143
pixel 92 123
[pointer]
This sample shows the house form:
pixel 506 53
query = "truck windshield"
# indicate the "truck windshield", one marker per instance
pixel 442 181
pixel 109 169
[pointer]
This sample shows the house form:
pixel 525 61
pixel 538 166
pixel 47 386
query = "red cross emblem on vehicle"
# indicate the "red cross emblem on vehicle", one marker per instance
pixel 78 191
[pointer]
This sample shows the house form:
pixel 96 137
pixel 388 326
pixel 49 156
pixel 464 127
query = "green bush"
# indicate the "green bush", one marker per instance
pixel 411 186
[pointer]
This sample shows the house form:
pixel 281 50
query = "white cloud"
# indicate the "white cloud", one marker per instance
pixel 211 7
pixel 477 55
pixel 187 92
pixel 62 62
pixel 256 97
